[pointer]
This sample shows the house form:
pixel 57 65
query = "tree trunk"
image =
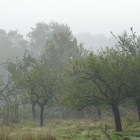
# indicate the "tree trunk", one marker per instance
pixel 138 110
pixel 99 113
pixel 33 112
pixel 41 115
pixel 4 113
pixel 117 117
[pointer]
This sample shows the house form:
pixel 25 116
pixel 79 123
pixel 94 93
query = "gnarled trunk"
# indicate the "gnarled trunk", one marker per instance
pixel 117 117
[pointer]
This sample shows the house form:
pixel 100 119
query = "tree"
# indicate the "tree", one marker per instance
pixel 37 37
pixel 61 50
pixel 108 72
pixel 61 47
pixel 79 94
pixel 134 83
pixel 36 79
pixel 46 85
pixel 57 40
pixel 130 45
pixel 12 44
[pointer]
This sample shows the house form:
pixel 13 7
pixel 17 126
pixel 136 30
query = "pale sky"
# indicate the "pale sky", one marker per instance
pixel 94 16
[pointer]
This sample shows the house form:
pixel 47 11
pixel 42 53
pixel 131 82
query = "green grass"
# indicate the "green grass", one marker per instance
pixel 71 130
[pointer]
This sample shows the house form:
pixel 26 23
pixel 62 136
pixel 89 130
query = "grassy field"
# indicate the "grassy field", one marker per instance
pixel 72 130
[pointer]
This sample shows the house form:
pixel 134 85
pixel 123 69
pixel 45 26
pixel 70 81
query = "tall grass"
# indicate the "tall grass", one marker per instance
pixel 86 129
pixel 7 133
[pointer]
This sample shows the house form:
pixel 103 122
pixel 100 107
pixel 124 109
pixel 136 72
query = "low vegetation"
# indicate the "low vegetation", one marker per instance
pixel 72 129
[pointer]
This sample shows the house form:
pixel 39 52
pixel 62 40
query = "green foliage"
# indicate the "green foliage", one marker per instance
pixel 104 75
pixel 38 35
pixel 57 40
pixel 113 74
pixel 61 45
pixel 64 70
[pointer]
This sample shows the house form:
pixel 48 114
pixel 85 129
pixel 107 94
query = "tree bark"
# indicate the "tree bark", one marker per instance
pixel 41 115
pixel 117 117
pixel 33 112
pixel 138 110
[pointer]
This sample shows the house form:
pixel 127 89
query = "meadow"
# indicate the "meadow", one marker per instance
pixel 83 129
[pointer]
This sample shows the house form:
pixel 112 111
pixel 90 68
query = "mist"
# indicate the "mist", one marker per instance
pixel 69 69
pixel 95 17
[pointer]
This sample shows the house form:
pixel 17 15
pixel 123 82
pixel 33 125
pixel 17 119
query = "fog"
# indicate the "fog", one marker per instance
pixel 93 16
pixel 72 66
pixel 90 20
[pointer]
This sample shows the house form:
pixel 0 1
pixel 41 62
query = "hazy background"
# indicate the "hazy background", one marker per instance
pixel 85 17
